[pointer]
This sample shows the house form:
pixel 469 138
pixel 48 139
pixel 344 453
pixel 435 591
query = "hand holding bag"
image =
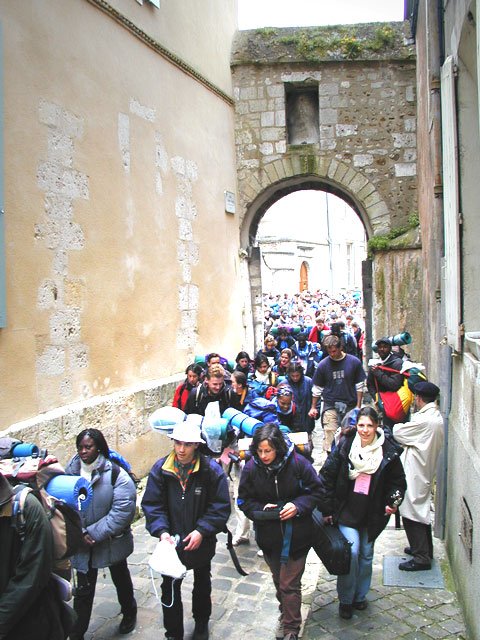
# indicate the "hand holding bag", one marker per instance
pixel 165 560
pixel 331 546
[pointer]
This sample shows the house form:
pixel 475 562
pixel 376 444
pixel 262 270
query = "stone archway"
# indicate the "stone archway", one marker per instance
pixel 333 178
pixel 324 117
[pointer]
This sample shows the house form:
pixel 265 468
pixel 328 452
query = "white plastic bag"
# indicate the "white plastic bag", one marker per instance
pixel 165 560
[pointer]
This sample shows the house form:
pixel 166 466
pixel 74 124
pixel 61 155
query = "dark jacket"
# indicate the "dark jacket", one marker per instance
pixel 29 604
pixel 295 482
pixel 204 506
pixel 199 398
pixel 379 380
pixel 388 483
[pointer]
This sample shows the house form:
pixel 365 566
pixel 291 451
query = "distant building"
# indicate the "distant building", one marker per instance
pixel 306 245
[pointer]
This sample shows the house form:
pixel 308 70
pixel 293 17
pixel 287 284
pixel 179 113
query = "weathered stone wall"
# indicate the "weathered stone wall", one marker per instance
pixel 366 117
pixel 397 296
pixel 122 417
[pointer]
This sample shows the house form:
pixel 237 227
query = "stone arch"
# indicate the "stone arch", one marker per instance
pixel 287 175
pixel 294 173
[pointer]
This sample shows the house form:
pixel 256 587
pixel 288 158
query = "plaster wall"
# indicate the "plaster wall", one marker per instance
pixel 201 36
pixel 118 246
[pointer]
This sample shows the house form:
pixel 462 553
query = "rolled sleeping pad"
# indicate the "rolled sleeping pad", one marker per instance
pixel 200 360
pixel 215 429
pixel 400 339
pixel 25 449
pixel 290 330
pixel 76 491
pixel 242 421
pixel 164 418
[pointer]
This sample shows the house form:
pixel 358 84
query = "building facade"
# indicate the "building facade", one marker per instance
pixel 447 41
pixel 118 141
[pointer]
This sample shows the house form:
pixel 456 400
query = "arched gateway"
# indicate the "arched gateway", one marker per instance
pixel 329 108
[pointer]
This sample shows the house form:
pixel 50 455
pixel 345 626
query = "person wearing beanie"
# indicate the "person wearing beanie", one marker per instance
pixel 422 439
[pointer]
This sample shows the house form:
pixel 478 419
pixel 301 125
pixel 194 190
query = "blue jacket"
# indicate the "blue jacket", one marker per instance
pixel 204 506
pixel 295 482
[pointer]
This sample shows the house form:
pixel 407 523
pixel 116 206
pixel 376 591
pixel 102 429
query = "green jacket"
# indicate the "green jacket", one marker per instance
pixel 29 607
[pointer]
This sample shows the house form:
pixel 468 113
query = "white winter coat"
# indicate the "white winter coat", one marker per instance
pixel 422 439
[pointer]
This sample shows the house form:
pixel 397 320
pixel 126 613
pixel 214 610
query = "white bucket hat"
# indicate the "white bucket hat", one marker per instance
pixel 186 432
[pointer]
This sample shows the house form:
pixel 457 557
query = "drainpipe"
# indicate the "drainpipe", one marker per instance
pixel 435 39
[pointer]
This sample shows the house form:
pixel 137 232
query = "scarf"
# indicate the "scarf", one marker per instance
pixel 86 470
pixel 365 459
pixel 183 471
pixel 264 378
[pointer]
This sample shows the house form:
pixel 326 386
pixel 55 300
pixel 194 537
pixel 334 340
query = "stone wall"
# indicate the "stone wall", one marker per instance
pixel 397 296
pixel 122 417
pixel 366 121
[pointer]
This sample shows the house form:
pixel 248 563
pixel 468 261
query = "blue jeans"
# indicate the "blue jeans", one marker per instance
pixel 355 586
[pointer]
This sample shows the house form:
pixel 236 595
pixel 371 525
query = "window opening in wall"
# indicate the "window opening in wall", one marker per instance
pixel 301 105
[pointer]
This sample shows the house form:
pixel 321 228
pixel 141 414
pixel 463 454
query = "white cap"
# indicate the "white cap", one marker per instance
pixel 186 432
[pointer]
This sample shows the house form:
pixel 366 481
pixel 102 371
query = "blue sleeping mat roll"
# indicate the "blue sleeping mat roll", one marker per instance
pixel 74 490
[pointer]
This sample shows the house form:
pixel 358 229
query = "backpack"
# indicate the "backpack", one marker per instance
pixel 64 520
pixel 118 461
pixel 32 474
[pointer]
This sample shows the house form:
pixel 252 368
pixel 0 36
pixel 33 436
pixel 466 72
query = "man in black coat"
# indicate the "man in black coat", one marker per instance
pixel 187 499
pixel 379 377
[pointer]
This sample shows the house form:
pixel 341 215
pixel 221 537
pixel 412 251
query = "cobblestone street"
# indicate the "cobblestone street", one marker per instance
pixel 246 606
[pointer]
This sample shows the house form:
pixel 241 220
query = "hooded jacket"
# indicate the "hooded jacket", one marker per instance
pixel 204 505
pixel 388 484
pixel 295 481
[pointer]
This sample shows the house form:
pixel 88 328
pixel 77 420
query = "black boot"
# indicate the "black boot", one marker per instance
pixel 201 630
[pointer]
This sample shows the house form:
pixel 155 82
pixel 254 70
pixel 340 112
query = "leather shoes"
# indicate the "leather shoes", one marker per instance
pixel 411 565
pixel 128 624
pixel 345 611
pixel 361 605
pixel 408 551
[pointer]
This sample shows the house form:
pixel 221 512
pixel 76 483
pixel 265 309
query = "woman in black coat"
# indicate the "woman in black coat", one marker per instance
pixel 362 484
pixel 278 491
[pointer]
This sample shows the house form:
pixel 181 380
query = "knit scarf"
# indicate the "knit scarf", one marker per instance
pixel 365 459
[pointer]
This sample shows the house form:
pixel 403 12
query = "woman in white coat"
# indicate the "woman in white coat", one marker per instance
pixel 422 439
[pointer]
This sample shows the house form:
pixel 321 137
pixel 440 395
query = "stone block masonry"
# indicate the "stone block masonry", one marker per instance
pixel 63 351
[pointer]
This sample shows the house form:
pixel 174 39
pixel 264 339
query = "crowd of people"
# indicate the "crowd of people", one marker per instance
pixel 375 463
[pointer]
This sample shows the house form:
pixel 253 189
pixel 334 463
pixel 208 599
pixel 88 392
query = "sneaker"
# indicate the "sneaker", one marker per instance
pixel 128 624
pixel 201 631
pixel 238 540
pixel 345 611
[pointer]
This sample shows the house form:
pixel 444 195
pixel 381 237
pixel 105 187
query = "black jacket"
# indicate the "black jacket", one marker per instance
pixel 388 483
pixel 199 398
pixel 204 506
pixel 296 482
pixel 379 380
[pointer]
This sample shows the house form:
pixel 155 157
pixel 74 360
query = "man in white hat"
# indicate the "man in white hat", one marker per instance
pixel 187 499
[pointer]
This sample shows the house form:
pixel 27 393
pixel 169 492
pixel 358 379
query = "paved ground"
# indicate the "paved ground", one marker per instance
pixel 245 607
